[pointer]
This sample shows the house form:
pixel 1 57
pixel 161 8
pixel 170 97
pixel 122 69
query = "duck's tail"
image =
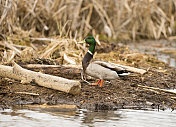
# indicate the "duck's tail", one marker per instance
pixel 122 73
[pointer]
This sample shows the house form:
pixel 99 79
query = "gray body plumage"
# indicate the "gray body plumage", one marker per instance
pixel 100 72
pixel 105 70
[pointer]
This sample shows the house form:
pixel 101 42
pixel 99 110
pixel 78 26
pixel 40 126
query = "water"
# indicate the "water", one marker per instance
pixel 82 118
pixel 166 58
pixel 163 50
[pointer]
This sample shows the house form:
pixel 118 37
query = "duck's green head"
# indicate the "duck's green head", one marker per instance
pixel 90 40
pixel 92 43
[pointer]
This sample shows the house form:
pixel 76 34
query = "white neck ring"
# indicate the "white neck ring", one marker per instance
pixel 90 52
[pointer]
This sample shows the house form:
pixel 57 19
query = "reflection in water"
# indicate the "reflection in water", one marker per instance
pixel 167 59
pixel 91 117
pixel 81 118
pixel 172 62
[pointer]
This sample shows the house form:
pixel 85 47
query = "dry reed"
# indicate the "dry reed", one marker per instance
pixel 26 21
pixel 130 19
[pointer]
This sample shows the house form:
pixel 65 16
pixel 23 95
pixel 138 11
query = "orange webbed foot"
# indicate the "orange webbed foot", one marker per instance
pixel 101 83
pixel 96 83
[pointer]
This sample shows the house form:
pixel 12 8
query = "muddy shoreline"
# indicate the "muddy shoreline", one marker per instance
pixel 121 93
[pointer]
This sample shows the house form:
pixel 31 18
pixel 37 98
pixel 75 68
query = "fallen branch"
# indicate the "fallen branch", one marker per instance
pixel 132 69
pixel 49 81
pixel 173 98
pixel 58 70
pixel 117 66
pixel 156 89
pixel 53 106
pixel 49 66
pixel 61 107
pixel 151 90
pixel 27 93
pixel 40 66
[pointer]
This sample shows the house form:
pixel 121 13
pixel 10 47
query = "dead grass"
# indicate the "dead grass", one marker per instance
pixel 46 25
pixel 78 18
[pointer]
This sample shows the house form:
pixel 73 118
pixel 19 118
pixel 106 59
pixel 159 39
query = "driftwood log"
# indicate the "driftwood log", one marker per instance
pixel 70 72
pixel 26 76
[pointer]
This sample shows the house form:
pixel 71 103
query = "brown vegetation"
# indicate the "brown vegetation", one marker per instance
pixel 122 19
pixel 40 29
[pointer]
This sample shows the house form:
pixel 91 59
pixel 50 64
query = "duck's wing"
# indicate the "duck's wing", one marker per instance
pixel 120 70
pixel 109 65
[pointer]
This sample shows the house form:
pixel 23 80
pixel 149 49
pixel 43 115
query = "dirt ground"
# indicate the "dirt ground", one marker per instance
pixel 121 93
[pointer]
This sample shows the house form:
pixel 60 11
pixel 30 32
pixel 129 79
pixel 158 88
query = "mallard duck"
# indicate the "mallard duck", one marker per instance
pixel 99 69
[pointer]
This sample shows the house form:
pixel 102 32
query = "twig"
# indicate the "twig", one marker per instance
pixel 45 39
pixel 49 49
pixel 152 90
pixel 10 46
pixel 173 98
pixel 69 60
pixel 40 66
pixel 157 89
pixel 49 66
pixel 19 46
pixel 27 93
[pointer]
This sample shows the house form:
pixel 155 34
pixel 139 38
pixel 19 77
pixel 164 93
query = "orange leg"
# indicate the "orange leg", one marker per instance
pixel 101 84
pixel 96 83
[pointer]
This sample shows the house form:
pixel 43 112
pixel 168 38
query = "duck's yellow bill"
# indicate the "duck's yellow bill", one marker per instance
pixel 81 42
